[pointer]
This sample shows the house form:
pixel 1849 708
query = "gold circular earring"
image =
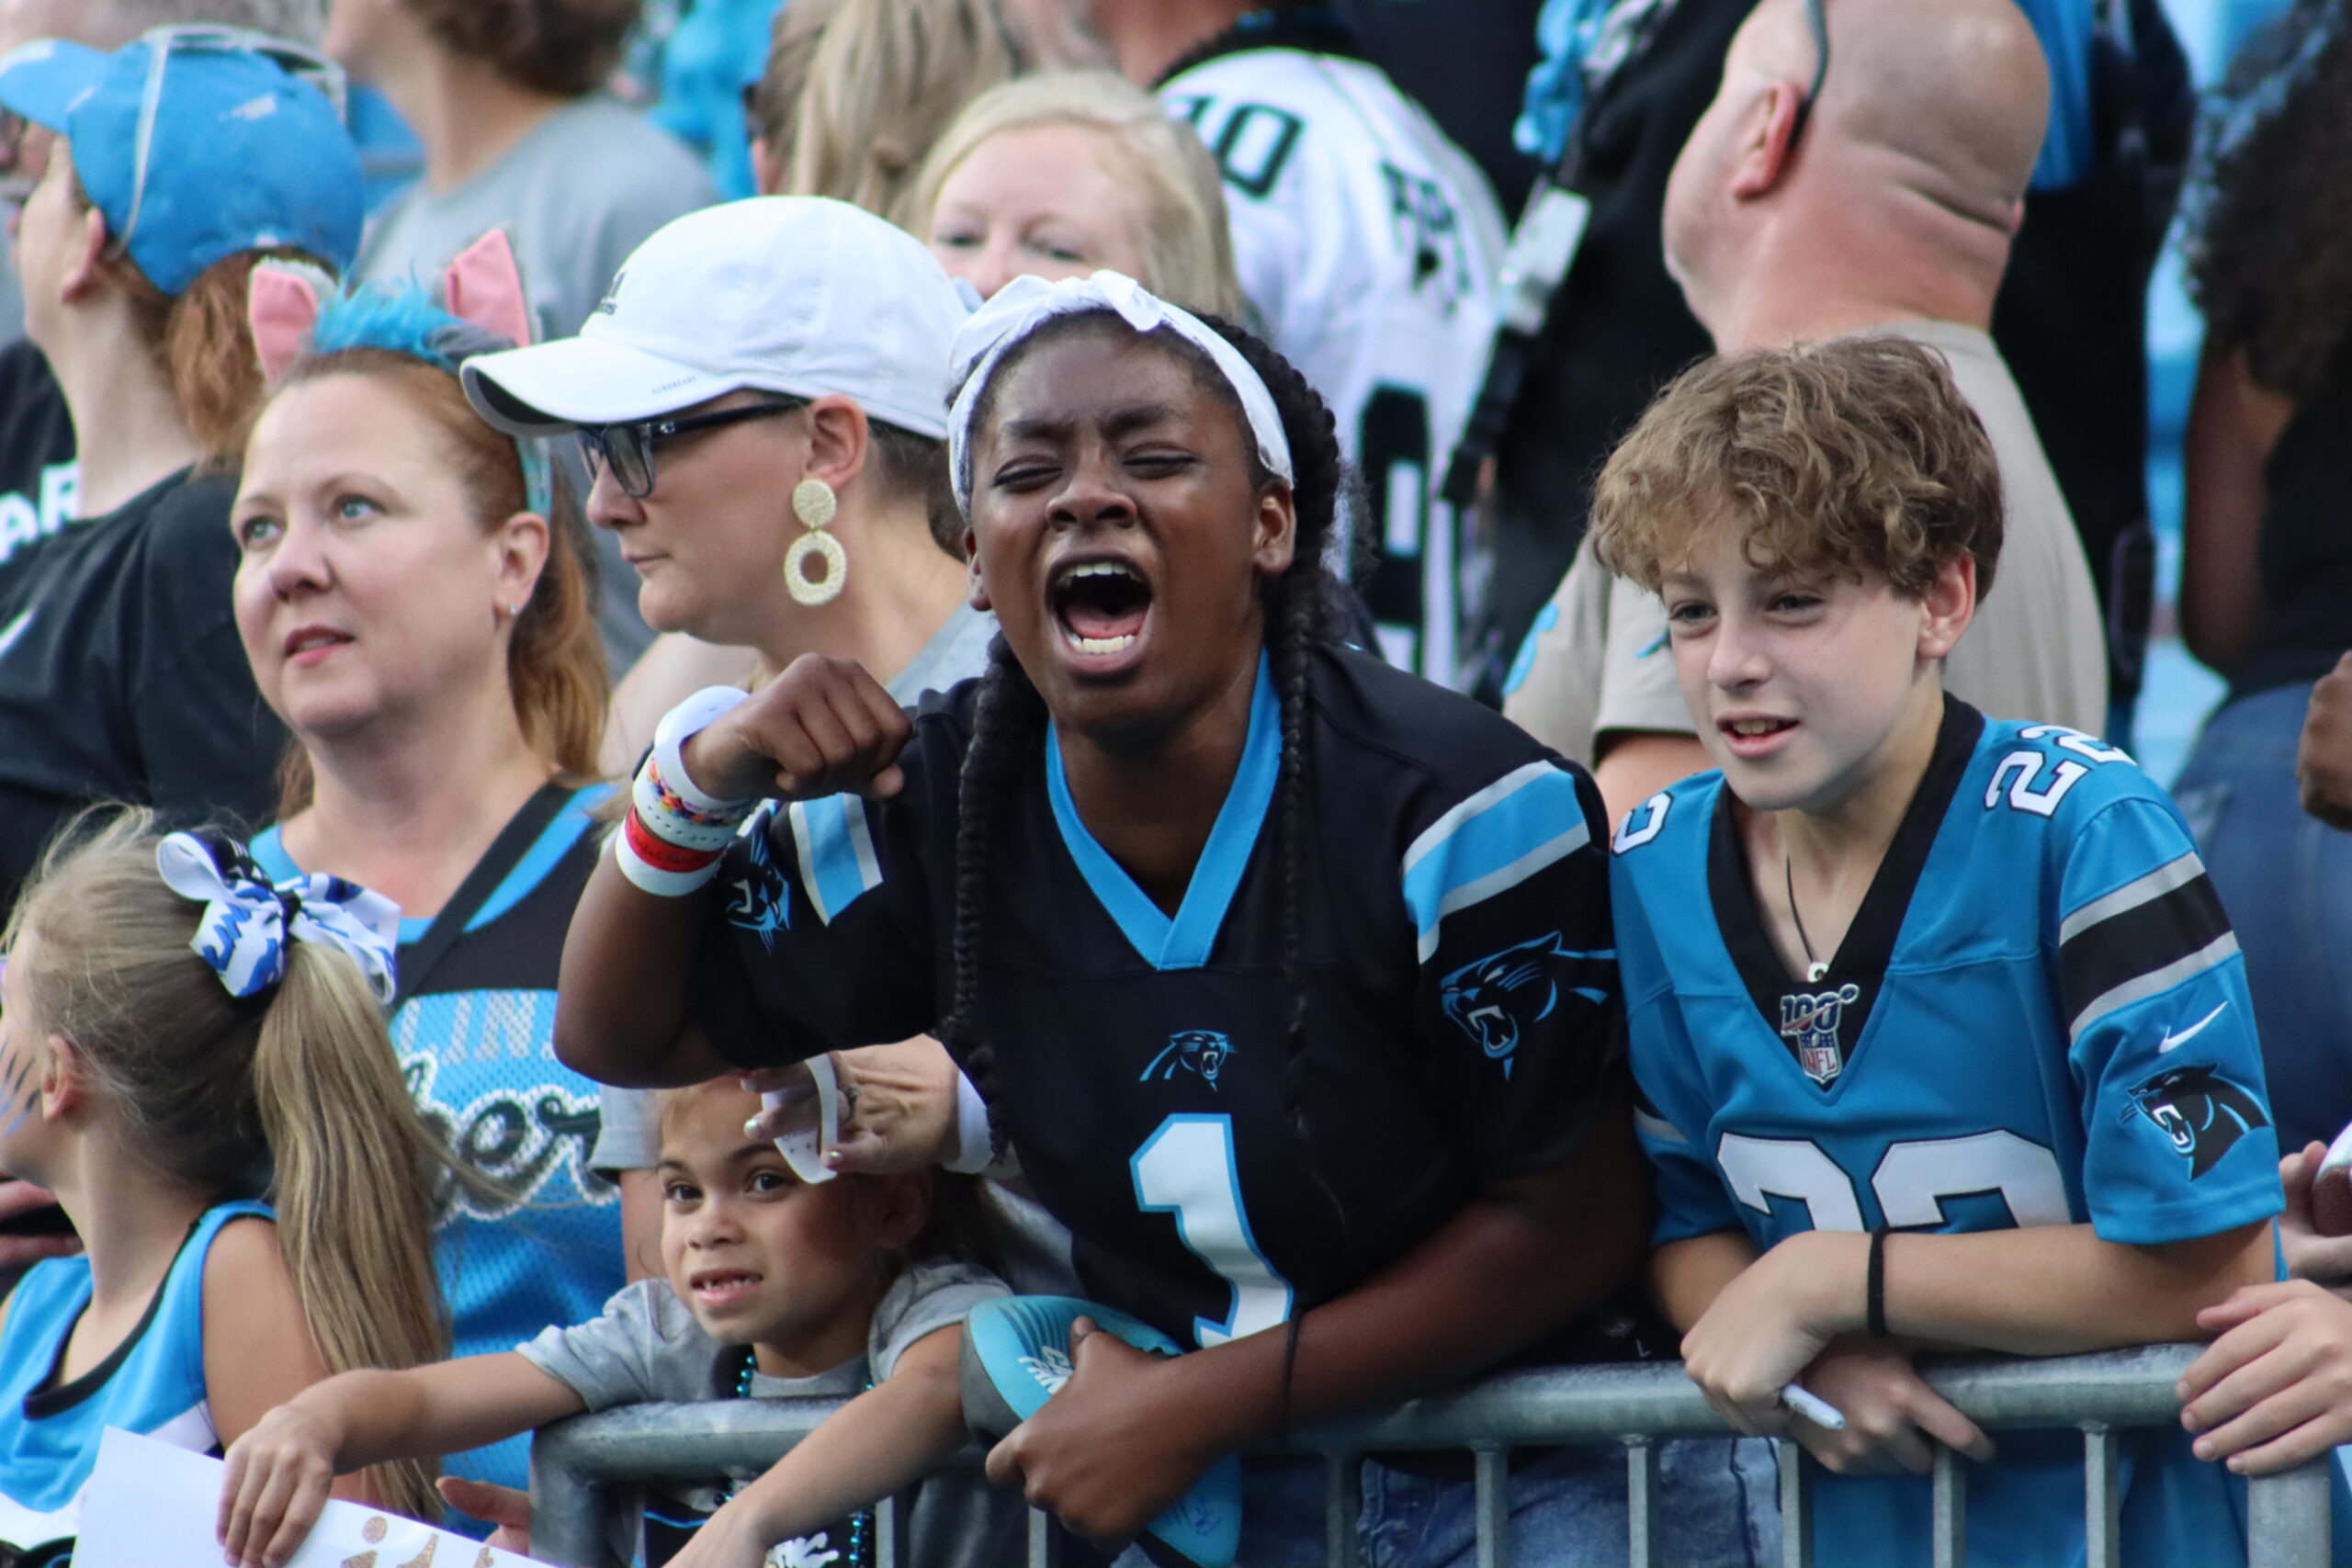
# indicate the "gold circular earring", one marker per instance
pixel 814 503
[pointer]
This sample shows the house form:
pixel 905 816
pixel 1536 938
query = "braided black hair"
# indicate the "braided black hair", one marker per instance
pixel 1007 720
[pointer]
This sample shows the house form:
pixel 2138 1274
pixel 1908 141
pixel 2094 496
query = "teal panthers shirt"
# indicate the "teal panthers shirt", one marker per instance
pixel 2038 1017
pixel 476 1046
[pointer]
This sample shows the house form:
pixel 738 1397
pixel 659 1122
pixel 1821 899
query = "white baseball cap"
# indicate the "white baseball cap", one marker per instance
pixel 793 294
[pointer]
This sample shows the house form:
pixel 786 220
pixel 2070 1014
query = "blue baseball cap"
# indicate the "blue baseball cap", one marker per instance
pixel 196 144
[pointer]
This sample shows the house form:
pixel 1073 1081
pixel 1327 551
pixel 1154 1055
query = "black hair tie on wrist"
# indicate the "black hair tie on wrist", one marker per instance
pixel 1874 1288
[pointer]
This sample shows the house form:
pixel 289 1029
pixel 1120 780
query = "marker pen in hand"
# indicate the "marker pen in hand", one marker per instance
pixel 1813 1408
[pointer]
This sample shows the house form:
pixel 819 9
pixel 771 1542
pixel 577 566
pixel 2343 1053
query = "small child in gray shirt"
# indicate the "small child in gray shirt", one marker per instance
pixel 773 1288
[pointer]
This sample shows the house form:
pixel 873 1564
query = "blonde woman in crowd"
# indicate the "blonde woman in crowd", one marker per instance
pixel 1067 174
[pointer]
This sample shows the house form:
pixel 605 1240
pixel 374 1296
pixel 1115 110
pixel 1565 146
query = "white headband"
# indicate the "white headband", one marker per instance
pixel 1023 305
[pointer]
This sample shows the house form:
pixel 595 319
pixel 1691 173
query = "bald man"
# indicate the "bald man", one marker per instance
pixel 1885 205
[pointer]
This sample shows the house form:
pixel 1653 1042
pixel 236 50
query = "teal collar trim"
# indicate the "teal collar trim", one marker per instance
pixel 1183 943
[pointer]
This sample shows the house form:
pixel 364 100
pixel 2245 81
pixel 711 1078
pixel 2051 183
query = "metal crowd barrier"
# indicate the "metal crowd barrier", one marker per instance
pixel 576 1464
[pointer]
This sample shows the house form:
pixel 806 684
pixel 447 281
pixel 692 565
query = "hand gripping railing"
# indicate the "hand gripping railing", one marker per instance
pixel 574 1462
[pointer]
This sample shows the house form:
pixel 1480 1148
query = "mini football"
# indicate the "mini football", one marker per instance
pixel 2331 1189
pixel 1016 1356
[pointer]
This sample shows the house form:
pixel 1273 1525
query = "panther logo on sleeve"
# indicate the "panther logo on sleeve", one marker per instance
pixel 2202 1113
pixel 761 903
pixel 1200 1050
pixel 1494 999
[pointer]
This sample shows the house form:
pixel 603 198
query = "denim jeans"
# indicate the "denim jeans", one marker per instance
pixel 1717 1509
pixel 2287 882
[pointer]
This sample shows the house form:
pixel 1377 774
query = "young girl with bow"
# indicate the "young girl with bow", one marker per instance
pixel 195 1062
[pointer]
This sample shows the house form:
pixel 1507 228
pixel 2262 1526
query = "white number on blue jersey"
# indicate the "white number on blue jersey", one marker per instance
pixel 1913 1179
pixel 1651 814
pixel 2027 765
pixel 1186 1169
pixel 2074 741
pixel 1911 1183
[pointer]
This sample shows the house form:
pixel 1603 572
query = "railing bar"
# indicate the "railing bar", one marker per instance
pixel 580 1465
pixel 1044 1540
pixel 2287 1517
pixel 1641 1503
pixel 891 1531
pixel 1342 1502
pixel 1949 1509
pixel 2102 1509
pixel 1796 1505
pixel 1493 1476
pixel 567 1512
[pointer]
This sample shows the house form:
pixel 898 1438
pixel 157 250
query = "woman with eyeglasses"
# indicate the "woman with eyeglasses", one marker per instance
pixel 413 596
pixel 763 407
pixel 180 161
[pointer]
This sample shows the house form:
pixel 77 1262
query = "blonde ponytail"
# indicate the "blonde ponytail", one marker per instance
pixel 297 1096
pixel 352 1194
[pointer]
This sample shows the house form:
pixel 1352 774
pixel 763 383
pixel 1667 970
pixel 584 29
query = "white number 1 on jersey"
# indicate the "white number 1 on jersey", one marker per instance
pixel 1187 1169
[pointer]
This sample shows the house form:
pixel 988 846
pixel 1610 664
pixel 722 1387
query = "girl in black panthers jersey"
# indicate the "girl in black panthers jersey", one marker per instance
pixel 1288 976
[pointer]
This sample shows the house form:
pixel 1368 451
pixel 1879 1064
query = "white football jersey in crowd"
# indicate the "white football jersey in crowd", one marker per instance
pixel 1369 244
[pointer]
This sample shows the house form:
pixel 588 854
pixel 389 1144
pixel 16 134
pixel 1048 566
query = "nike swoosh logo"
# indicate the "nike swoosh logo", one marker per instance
pixel 15 629
pixel 2172 1041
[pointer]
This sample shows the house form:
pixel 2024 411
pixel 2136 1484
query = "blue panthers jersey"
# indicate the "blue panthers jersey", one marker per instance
pixel 152 1383
pixel 2038 1017
pixel 1453 967
pixel 476 1042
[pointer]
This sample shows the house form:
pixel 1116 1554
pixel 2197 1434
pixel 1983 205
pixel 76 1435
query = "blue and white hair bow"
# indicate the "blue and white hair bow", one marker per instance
pixel 248 921
pixel 1026 304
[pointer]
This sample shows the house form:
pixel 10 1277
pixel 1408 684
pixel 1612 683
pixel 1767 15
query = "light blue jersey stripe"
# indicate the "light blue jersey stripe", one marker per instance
pixel 837 860
pixel 1491 842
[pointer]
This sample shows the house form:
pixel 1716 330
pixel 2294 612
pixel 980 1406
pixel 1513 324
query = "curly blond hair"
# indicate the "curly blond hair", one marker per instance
pixel 1855 455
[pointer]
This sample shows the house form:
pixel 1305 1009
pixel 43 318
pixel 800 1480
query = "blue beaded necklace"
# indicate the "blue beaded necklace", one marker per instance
pixel 861 1524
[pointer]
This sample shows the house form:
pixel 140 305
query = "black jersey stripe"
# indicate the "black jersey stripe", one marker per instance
pixel 2141 946
pixel 2163 879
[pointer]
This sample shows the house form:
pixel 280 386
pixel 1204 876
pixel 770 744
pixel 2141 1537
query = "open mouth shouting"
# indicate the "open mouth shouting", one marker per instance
pixel 1100 606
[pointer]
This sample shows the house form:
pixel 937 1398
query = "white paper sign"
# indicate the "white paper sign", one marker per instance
pixel 150 1504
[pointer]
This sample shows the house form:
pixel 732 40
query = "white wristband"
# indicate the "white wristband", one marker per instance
pixel 973 1146
pixel 682 724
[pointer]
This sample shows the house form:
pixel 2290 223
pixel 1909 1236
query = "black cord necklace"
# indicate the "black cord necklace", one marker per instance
pixel 1815 970
pixel 861 1524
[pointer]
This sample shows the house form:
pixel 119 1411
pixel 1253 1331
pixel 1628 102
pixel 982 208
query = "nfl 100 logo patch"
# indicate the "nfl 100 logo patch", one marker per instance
pixel 1809 1023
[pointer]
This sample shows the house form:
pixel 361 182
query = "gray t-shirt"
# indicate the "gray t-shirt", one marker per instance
pixel 2037 649
pixel 647 1349
pixel 579 192
pixel 626 1138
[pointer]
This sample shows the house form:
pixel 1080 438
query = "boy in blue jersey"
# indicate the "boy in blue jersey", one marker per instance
pixel 1941 1033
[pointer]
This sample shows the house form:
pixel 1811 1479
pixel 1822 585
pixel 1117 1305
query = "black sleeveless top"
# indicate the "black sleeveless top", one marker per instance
pixel 2306 549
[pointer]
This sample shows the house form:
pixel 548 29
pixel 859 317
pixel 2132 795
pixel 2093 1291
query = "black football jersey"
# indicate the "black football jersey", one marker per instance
pixel 1462 1004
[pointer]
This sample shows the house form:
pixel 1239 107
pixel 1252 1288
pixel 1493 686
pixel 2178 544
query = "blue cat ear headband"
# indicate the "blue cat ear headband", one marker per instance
pixel 295 309
pixel 248 921
pixel 404 320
